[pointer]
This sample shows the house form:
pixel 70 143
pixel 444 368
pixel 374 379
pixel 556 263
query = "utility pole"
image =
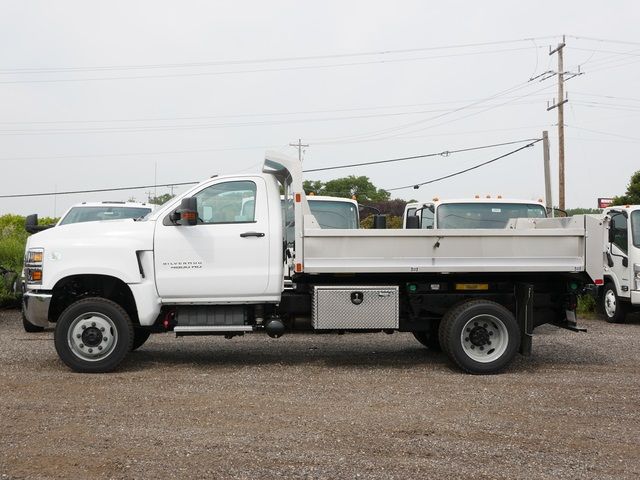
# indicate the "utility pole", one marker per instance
pixel 547 173
pixel 560 106
pixel 299 146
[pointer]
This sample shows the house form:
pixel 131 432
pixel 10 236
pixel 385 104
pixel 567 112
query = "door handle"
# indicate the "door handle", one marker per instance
pixel 252 234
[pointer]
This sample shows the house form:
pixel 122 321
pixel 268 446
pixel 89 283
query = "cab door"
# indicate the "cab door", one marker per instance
pixel 225 256
pixel 619 250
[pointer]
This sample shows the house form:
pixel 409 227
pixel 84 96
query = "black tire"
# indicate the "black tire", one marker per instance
pixel 93 335
pixel 613 309
pixel 140 335
pixel 429 339
pixel 491 336
pixel 30 327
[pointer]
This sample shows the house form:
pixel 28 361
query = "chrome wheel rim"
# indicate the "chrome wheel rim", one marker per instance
pixel 610 303
pixel 92 336
pixel 484 338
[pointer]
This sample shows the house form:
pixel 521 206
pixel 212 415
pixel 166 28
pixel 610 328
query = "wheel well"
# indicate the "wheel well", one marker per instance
pixel 73 288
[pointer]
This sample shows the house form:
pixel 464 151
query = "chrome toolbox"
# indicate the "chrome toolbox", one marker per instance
pixel 355 307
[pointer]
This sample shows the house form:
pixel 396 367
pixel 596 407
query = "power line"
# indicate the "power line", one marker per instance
pixel 606 96
pixel 258 70
pixel 134 154
pixel 264 60
pixel 460 172
pixel 605 40
pixel 71 192
pixel 342 139
pixel 175 127
pixel 240 115
pixel 114 189
pixel 604 133
pixel 444 153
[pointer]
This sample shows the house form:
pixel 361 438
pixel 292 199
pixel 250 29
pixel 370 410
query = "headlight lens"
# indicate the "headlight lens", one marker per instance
pixel 636 274
pixel 33 260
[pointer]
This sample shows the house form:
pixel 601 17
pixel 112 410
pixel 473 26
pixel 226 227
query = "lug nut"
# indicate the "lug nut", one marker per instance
pixel 81 345
pixel 91 350
pixel 93 324
pixel 481 348
pixel 490 332
pixel 78 336
pixel 466 339
pixel 104 339
pixel 488 342
pixel 102 329
pixel 485 325
pixel 84 326
pixel 472 347
pixel 99 347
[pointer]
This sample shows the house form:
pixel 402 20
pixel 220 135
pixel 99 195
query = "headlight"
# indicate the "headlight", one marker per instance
pixel 33 266
pixel 636 274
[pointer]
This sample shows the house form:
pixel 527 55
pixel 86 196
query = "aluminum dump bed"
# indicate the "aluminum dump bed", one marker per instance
pixel 574 244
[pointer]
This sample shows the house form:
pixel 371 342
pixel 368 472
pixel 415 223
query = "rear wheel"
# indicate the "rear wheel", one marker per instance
pixel 480 336
pixel 93 335
pixel 614 310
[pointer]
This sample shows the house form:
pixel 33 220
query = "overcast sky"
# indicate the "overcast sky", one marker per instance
pixel 126 93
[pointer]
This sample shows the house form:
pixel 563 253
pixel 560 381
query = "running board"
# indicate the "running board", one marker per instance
pixel 211 329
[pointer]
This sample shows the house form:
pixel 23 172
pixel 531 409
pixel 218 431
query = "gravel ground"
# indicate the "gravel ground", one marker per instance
pixel 322 406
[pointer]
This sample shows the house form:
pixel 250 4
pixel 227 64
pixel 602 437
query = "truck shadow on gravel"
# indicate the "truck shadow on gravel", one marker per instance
pixel 546 357
pixel 196 356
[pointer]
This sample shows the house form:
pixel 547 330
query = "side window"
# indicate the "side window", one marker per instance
pixel 427 218
pixel 619 225
pixel 229 202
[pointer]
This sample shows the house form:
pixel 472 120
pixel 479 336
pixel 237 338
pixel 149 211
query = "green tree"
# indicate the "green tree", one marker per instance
pixel 347 187
pixel 161 199
pixel 632 196
pixel 580 211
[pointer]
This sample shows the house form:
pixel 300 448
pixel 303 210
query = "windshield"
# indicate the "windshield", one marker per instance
pixel 635 228
pixel 485 215
pixel 329 214
pixel 93 214
pixel 334 214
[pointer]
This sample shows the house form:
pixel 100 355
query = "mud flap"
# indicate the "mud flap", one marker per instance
pixel 571 322
pixel 524 316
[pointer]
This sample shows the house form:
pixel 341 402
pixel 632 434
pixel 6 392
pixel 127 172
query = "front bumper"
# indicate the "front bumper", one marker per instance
pixel 635 298
pixel 35 307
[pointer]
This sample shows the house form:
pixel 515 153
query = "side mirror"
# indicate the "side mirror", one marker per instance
pixel 413 221
pixel 379 222
pixel 31 224
pixel 187 214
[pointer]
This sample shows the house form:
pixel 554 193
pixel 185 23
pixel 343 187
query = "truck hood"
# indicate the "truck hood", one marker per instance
pixel 135 234
pixel 108 248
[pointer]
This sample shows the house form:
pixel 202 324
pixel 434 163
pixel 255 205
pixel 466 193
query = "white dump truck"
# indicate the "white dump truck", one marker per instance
pixel 619 293
pixel 206 264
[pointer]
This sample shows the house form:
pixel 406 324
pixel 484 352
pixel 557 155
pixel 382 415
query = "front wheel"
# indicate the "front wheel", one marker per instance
pixel 614 310
pixel 480 336
pixel 93 335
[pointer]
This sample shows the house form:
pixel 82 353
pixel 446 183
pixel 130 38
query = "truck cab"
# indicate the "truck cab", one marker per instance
pixel 621 291
pixel 478 212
